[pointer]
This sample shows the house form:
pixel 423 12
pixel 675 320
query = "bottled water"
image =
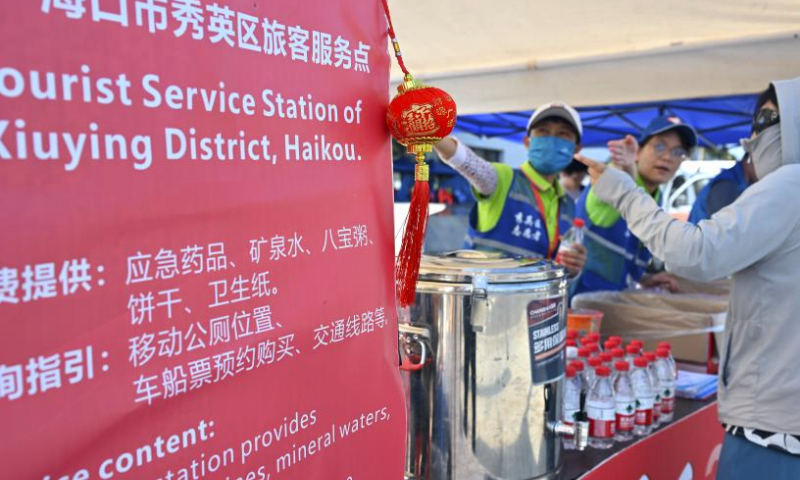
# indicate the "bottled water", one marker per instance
pixel 666 380
pixel 580 373
pixel 591 371
pixel 671 359
pixel 583 356
pixel 617 355
pixel 572 402
pixel 632 351
pixel 601 408
pixel 607 358
pixel 626 402
pixel 573 236
pixel 651 369
pixel 643 390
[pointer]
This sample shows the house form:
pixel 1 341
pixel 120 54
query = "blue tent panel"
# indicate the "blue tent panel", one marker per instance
pixel 718 120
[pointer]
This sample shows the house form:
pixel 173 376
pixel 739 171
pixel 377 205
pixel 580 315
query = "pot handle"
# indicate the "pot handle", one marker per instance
pixel 411 337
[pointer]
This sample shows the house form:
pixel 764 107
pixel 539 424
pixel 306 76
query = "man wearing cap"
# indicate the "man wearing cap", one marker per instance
pixel 616 258
pixel 524 211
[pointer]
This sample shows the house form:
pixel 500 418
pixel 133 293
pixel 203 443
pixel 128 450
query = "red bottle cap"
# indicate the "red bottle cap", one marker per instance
pixel 571 342
pixel 577 364
pixel 593 336
pixel 578 222
pixel 618 353
pixel 650 356
pixel 666 345
pixel 572 334
pixel 662 353
pixel 603 371
pixel 571 371
pixel 606 357
pixel 583 352
pixel 632 350
pixel 595 362
pixel 592 346
pixel 622 366
pixel 609 345
pixel 640 362
pixel 638 343
pixel 616 339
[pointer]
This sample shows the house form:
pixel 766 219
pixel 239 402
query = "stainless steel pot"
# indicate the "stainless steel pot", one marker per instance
pixel 483 362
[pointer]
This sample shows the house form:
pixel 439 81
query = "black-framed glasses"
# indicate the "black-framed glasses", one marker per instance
pixel 678 153
pixel 765 119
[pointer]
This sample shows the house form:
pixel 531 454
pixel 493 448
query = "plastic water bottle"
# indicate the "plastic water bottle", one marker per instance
pixel 632 352
pixel 626 402
pixel 572 349
pixel 573 335
pixel 666 380
pixel 671 359
pixel 591 371
pixel 572 403
pixel 583 356
pixel 643 389
pixel 651 370
pixel 573 236
pixel 593 337
pixel 601 407
pixel 607 358
pixel 617 355
pixel 579 371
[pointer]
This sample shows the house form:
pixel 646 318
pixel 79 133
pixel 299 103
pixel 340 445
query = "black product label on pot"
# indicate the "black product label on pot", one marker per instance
pixel 547 336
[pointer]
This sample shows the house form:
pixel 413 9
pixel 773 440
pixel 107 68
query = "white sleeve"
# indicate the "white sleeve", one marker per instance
pixel 731 240
pixel 478 172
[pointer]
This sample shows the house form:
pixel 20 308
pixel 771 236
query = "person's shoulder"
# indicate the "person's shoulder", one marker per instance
pixel 783 183
pixel 785 176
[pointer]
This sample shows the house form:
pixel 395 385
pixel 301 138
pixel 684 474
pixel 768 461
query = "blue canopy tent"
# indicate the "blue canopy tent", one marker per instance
pixel 718 120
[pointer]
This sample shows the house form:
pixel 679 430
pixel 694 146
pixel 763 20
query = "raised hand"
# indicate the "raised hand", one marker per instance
pixel 596 169
pixel 623 154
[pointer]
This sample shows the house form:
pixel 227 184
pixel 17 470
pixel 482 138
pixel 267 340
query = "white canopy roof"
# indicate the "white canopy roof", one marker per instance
pixel 511 55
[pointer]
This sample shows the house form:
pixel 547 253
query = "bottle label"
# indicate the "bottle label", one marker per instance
pixel 644 416
pixel 658 407
pixel 602 420
pixel 626 413
pixel 644 410
pixel 668 404
pixel 625 422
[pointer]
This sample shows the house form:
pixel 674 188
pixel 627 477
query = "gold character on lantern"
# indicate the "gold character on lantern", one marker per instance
pixel 418 119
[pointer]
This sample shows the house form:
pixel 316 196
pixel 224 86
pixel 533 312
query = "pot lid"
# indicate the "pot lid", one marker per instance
pixel 461 266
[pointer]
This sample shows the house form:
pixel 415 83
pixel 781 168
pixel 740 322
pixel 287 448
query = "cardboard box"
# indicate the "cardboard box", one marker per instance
pixel 685 320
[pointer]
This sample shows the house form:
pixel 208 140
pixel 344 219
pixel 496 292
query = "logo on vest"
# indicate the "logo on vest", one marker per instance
pixel 527 222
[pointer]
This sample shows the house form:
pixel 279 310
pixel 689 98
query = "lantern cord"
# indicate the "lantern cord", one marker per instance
pixel 393 37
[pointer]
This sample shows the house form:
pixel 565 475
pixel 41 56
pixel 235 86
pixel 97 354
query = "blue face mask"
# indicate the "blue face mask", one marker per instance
pixel 550 155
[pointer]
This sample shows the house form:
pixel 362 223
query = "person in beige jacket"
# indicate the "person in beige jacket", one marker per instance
pixel 755 241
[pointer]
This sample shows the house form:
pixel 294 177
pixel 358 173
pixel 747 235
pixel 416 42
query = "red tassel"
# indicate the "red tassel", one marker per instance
pixel 407 266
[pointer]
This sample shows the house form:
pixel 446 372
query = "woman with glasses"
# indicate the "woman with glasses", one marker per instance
pixel 616 258
pixel 756 241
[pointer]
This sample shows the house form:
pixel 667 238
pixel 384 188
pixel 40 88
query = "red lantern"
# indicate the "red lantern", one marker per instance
pixel 418 117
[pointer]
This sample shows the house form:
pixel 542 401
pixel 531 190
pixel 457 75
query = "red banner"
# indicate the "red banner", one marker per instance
pixel 688 449
pixel 196 259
